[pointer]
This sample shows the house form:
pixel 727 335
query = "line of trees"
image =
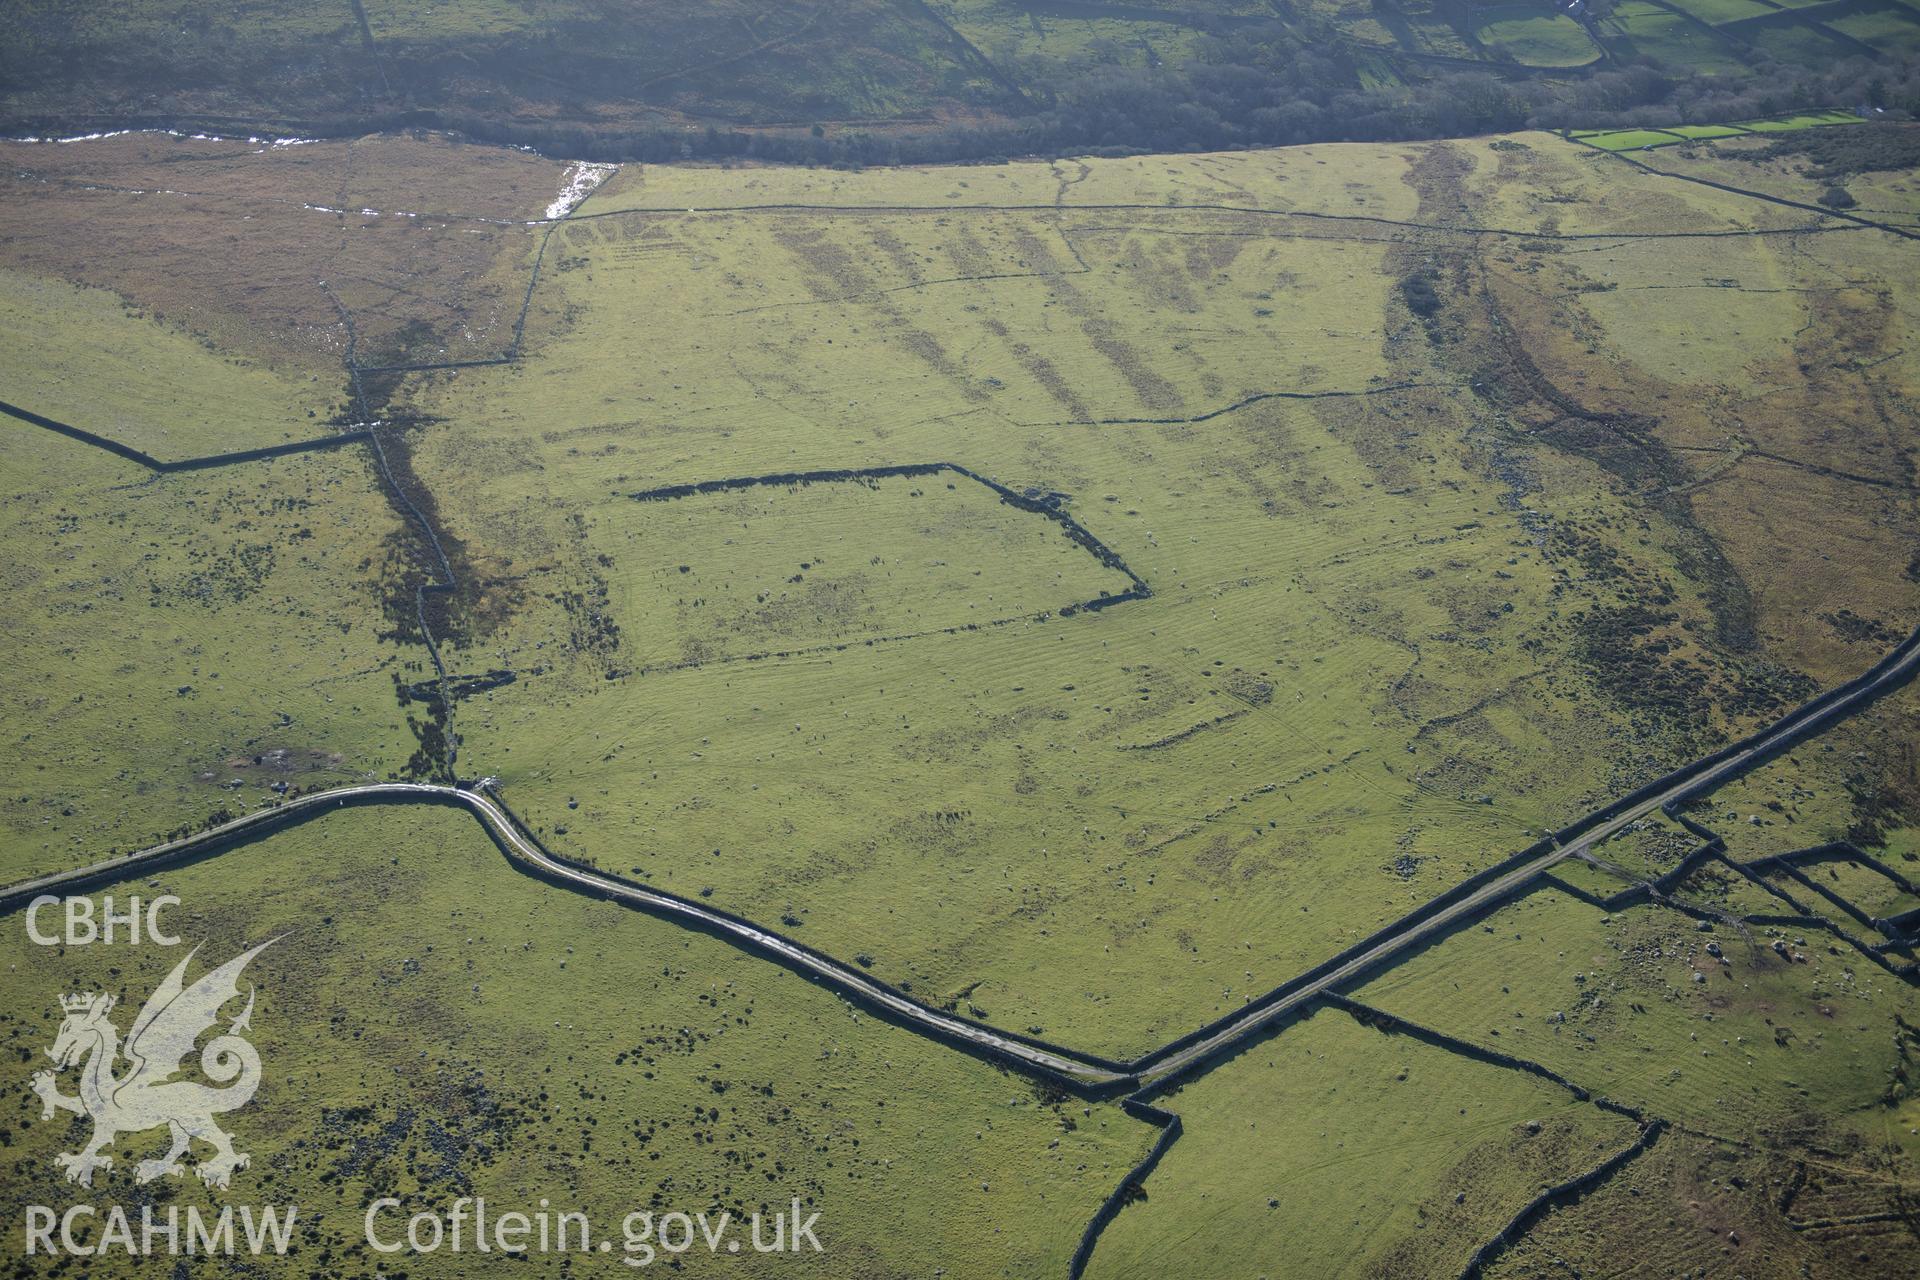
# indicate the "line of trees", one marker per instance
pixel 1249 93
pixel 1255 84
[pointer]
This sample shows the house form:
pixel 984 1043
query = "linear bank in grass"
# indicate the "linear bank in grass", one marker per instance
pixel 1365 668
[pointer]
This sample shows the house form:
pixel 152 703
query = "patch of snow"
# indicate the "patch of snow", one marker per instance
pixel 579 182
pixel 263 142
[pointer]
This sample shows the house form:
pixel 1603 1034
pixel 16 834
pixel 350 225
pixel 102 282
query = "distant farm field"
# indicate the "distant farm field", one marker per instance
pixel 1651 30
pixel 1536 39
pixel 1715 12
pixel 1639 139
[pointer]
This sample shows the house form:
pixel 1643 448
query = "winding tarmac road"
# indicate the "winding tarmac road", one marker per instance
pixel 521 848
pixel 1682 784
pixel 1083 1074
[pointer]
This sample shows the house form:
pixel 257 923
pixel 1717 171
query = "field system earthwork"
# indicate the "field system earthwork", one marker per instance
pixel 1332 711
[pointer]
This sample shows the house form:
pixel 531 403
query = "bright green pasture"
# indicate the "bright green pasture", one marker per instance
pixel 1874 893
pixel 178 645
pixel 1629 139
pixel 433 1024
pixel 83 357
pixel 1110 826
pixel 767 569
pixel 1335 1150
pixel 1761 1042
pixel 1715 12
pixel 1707 132
pixel 1534 38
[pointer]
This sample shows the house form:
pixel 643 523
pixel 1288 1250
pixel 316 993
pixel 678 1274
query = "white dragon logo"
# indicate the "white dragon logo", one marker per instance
pixel 146 1096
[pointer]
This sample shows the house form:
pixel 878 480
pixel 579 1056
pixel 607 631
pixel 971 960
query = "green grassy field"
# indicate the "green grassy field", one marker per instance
pixel 1760 1043
pixel 1337 1150
pixel 1804 120
pixel 1646 29
pixel 1642 139
pixel 1829 790
pixel 1707 132
pixel 1874 893
pixel 1797 44
pixel 1648 848
pixel 1718 888
pixel 1629 139
pixel 78 356
pixel 1474 485
pixel 1012 34
pixel 432 1024
pixel 771 569
pixel 1535 39
pixel 1000 769
pixel 199 640
pixel 1895 28
pixel 1338 594
pixel 1715 12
